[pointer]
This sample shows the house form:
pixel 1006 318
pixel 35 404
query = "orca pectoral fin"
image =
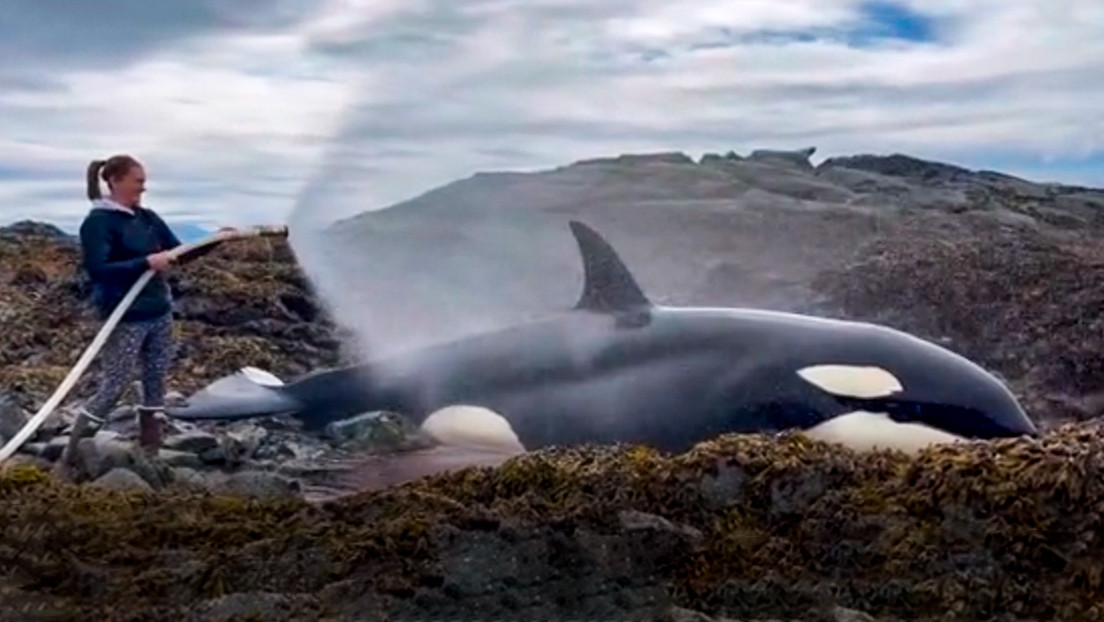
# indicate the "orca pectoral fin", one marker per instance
pixel 472 427
pixel 865 431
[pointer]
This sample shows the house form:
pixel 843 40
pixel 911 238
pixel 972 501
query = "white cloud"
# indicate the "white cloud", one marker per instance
pixel 668 23
pixel 232 123
pixel 218 126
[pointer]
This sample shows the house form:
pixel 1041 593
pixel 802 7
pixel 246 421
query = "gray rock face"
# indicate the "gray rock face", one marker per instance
pixel 12 418
pixel 123 480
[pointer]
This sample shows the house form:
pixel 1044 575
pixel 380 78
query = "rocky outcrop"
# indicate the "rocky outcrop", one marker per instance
pixel 246 303
pixel 793 157
pixel 899 165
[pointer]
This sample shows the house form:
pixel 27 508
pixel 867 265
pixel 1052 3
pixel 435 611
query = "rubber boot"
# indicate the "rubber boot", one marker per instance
pixel 84 426
pixel 150 429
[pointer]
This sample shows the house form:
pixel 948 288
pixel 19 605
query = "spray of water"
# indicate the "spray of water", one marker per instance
pixel 490 250
pixel 429 270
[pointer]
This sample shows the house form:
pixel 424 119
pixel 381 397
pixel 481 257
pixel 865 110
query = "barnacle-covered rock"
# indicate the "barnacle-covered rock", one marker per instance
pixel 1007 528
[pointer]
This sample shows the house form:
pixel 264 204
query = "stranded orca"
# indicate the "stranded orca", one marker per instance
pixel 618 368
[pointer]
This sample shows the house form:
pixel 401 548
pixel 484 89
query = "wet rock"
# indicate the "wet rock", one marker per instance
pixel 299 468
pixel 56 423
pixel 241 442
pixel 725 486
pixel 101 453
pixel 632 520
pixel 188 478
pixel 12 418
pixel 192 442
pixel 281 451
pixel 843 614
pixel 22 459
pixel 49 450
pixel 792 494
pixel 106 451
pixel 214 456
pixel 119 478
pixel 377 431
pixel 179 459
pixel 574 573
pixel 346 431
pixel 262 484
pixel 266 606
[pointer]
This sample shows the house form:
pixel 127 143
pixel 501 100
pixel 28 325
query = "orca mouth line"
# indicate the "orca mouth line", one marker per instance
pixel 936 414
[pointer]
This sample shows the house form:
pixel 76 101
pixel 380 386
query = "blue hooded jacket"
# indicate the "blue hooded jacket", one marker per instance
pixel 115 241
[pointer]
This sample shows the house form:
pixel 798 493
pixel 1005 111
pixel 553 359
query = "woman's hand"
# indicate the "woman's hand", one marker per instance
pixel 160 261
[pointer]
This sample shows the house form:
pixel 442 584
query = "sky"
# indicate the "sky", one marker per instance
pixel 243 111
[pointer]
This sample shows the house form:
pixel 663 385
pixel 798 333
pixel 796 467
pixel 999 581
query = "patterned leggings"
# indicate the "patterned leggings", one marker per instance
pixel 149 341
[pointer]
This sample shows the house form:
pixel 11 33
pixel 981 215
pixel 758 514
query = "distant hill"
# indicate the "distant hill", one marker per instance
pixel 186 231
pixel 726 229
pixel 189 232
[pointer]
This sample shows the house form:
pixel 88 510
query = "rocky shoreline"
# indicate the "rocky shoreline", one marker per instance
pixel 257 520
pixel 260 458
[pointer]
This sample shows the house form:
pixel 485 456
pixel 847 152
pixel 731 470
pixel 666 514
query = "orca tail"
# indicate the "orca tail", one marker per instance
pixel 315 399
pixel 247 393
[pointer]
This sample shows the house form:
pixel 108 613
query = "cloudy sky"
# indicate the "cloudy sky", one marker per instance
pixel 242 109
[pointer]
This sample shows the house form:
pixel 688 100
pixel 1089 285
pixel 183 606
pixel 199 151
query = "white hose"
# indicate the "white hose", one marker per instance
pixel 109 325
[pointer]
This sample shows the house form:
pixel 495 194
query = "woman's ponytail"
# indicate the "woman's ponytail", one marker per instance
pixel 94 191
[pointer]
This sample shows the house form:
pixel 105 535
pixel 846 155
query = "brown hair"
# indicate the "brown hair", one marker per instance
pixel 112 168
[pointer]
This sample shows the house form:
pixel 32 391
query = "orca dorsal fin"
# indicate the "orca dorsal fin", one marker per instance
pixel 608 285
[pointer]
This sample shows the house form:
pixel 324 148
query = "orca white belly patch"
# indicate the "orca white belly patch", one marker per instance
pixel 474 427
pixel 868 431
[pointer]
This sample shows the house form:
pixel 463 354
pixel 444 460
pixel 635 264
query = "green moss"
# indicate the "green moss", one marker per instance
pixel 23 476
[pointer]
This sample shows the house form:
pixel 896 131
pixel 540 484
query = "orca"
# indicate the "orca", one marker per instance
pixel 618 368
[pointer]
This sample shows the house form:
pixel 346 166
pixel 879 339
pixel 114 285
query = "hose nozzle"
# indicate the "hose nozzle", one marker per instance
pixel 271 231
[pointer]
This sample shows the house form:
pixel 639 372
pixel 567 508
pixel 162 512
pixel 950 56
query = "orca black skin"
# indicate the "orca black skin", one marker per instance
pixel 620 369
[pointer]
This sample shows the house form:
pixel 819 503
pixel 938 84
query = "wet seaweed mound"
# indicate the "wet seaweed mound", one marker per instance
pixel 744 527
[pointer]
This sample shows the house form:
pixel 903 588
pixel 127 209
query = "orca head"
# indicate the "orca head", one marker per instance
pixel 924 400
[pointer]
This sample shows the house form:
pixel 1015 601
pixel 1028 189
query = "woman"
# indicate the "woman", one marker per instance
pixel 120 240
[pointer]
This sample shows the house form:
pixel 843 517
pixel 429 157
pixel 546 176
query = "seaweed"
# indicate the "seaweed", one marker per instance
pixel 1007 527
